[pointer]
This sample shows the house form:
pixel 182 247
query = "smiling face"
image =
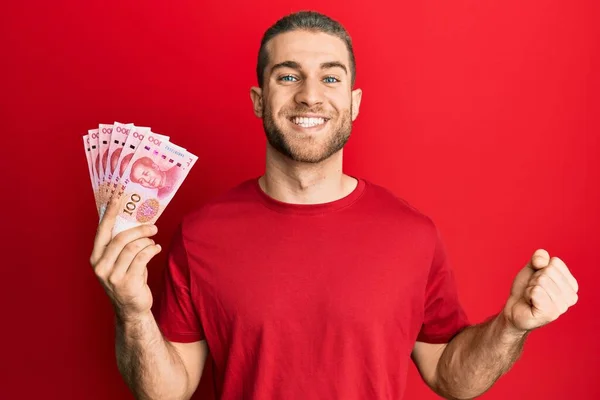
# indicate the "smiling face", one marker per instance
pixel 307 103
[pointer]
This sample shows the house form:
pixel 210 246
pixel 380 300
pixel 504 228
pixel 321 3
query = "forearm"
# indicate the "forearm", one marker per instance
pixel 149 365
pixel 477 357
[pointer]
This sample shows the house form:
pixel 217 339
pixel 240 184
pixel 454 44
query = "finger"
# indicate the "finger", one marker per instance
pixel 130 251
pixel 116 246
pixel 539 260
pixel 104 232
pixel 539 299
pixel 565 289
pixel 140 262
pixel 560 264
pixel 558 300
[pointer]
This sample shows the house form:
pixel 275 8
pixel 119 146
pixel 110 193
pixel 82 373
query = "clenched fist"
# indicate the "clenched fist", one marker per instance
pixel 120 264
pixel 542 291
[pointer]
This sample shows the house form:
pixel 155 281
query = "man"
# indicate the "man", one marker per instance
pixel 307 283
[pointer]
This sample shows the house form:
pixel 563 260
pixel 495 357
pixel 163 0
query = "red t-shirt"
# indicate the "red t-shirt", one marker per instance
pixel 306 302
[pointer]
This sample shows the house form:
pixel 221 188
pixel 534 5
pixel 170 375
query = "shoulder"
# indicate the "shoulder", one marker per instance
pixel 394 204
pixel 414 223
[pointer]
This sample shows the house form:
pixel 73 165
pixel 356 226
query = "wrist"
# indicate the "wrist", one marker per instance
pixel 508 330
pixel 133 319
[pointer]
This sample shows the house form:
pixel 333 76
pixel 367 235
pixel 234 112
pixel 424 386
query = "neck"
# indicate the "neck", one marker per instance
pixel 296 182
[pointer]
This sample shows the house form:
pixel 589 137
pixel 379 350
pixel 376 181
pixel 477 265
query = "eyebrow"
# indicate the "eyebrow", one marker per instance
pixel 295 65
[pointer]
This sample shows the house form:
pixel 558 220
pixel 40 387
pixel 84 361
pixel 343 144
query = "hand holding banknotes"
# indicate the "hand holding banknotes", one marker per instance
pixel 134 174
pixel 121 263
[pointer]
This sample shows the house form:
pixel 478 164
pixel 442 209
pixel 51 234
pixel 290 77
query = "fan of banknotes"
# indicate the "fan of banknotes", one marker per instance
pixel 141 168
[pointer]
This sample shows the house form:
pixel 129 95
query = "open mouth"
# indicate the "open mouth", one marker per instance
pixel 309 122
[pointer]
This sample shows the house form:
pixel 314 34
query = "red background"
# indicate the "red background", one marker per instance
pixel 484 115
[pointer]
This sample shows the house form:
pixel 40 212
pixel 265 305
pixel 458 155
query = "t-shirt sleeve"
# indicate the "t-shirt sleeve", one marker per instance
pixel 176 314
pixel 444 316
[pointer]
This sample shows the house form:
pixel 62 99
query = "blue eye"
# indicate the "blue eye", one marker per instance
pixel 285 78
pixel 331 79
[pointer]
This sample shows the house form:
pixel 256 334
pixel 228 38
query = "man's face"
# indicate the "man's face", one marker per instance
pixel 146 174
pixel 307 103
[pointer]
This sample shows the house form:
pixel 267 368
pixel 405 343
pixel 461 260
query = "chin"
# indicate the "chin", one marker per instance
pixel 312 153
pixel 305 145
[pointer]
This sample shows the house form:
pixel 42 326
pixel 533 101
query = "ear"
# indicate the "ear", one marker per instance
pixel 356 98
pixel 257 101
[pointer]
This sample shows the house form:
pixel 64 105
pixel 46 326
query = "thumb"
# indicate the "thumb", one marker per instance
pixel 540 259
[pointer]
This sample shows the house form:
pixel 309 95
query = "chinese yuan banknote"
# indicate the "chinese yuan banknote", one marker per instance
pixel 93 136
pixel 88 155
pixel 136 135
pixel 104 135
pixel 142 169
pixel 117 142
pixel 152 177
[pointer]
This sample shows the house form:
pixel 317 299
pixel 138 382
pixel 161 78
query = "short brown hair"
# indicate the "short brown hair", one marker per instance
pixel 308 21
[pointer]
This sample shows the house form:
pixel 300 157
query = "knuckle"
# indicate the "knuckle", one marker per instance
pixel 537 291
pixel 563 308
pixel 543 279
pixel 134 247
pixel 130 247
pixel 121 238
pixel 101 274
pixel 551 269
pixel 100 266
pixel 113 280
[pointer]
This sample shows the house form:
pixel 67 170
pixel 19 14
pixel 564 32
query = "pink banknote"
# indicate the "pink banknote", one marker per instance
pixel 113 138
pixel 152 177
pixel 93 136
pixel 88 156
pixel 105 132
pixel 117 142
pixel 104 135
pixel 137 134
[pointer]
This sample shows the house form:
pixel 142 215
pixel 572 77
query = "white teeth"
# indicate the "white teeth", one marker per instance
pixel 308 122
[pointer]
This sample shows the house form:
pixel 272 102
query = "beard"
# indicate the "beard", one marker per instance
pixel 308 149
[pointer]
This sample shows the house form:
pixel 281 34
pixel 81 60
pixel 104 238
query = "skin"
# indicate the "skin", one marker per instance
pixel 304 166
pixel 307 173
pixel 151 366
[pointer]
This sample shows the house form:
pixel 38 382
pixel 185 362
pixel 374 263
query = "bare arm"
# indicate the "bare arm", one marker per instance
pixel 475 358
pixel 152 367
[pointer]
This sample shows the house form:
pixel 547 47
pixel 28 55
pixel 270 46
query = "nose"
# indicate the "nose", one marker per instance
pixel 309 93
